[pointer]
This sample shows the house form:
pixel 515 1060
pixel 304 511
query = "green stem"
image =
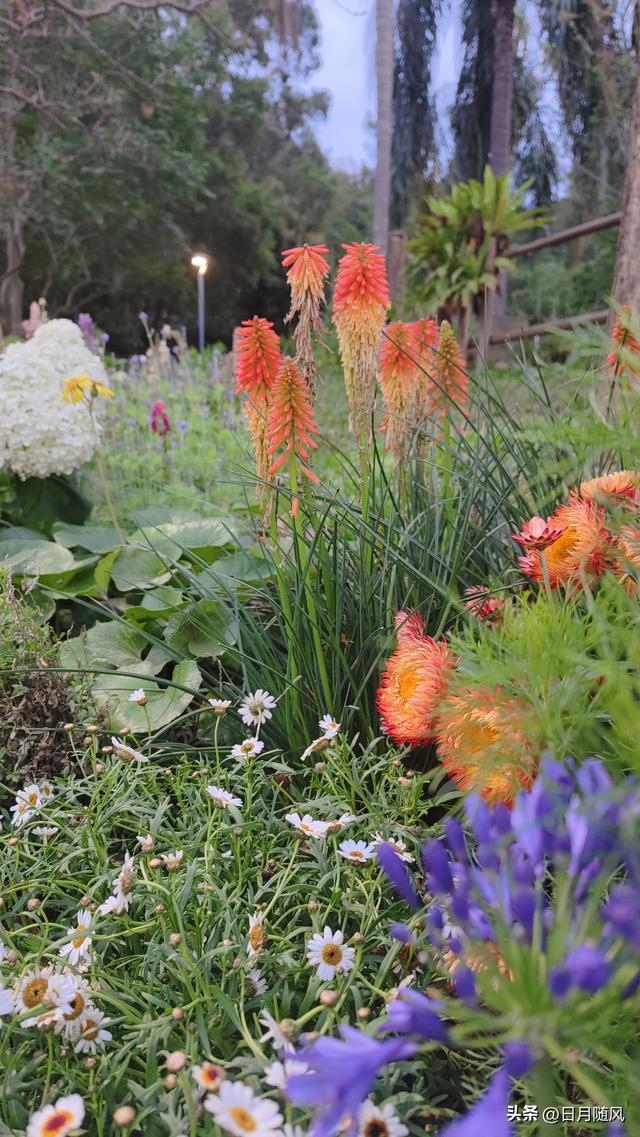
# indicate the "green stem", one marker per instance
pixel 303 562
pixel 542 1081
pixel 292 666
pixel 102 471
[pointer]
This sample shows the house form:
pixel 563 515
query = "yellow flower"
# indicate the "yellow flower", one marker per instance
pixel 76 385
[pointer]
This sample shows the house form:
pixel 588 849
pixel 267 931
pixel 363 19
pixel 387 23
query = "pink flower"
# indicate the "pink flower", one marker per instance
pixel 538 533
pixel 159 419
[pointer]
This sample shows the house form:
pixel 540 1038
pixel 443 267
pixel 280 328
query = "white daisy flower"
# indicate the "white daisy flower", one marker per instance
pixel 379 1121
pixel 21 813
pixel 256 708
pixel 220 706
pixel 317 744
pixel 32 795
pixel 257 981
pixel 277 1073
pixel 257 935
pixel 138 696
pixel 250 748
pixel 341 822
pixel 127 753
pixel 307 825
pixel 208 1076
pixel 280 1039
pixel 292 1130
pixel 93 1033
pixel 146 843
pixel 329 726
pixel 45 831
pixel 398 846
pixel 358 852
pixel 71 1022
pixel 7 1005
pixel 238 1110
pixel 61 992
pixel 122 889
pixel 31 989
pixel 172 861
pixel 46 789
pixel 79 947
pixel 62 1118
pixel 222 798
pixel 327 953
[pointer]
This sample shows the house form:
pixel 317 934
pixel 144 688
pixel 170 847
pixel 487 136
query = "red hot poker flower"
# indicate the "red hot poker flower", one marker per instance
pixel 307 270
pixel 257 352
pixel 290 421
pixel 399 381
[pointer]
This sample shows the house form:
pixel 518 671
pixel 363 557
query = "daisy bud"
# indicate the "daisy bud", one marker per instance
pixel 175 939
pixel 106 749
pixel 85 901
pixel 12 841
pixel 124 1115
pixel 154 862
pixel 396 762
pixel 33 904
pixel 319 767
pixel 68 726
pixel 175 1061
pixel 227 943
pixel 363 1012
pixel 90 1063
pixel 99 768
pixel 63 1051
pixel 92 728
pixel 170 1081
pixel 11 957
pixel 86 741
pixel 177 1014
pixel 159 909
pixel 313 905
pixel 357 937
pixel 403 781
pixel 329 998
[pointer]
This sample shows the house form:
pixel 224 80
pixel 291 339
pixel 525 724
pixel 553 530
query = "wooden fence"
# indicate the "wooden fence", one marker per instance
pixel 599 316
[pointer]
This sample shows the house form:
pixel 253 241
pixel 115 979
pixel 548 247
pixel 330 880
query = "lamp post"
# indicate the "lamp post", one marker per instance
pixel 200 262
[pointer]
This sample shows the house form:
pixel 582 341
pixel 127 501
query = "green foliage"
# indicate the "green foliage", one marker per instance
pixel 461 243
pixel 413 106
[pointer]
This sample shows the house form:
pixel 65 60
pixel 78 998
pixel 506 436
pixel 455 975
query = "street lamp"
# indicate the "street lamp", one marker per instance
pixel 200 262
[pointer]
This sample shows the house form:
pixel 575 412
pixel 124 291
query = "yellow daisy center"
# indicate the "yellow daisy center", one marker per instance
pixel 79 940
pixel 210 1075
pixel 78 1003
pixel 256 937
pixel 242 1118
pixel 376 1128
pixel 91 1030
pixel 34 993
pixel 332 954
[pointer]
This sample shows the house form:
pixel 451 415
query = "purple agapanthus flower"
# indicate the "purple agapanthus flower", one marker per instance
pixel 489 1116
pixel 143 316
pixel 413 1013
pixel 341 1075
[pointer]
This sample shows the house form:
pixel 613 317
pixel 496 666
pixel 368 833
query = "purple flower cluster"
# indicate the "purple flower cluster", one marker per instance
pixel 557 877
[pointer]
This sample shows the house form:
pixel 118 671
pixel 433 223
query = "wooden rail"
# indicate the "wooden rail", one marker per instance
pixel 599 316
pixel 581 230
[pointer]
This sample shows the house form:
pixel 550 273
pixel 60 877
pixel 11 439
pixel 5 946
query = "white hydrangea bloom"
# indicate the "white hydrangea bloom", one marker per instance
pixel 39 434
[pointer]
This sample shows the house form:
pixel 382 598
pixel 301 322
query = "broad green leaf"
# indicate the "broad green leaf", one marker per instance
pixel 35 558
pixel 115 644
pixel 135 568
pixel 164 703
pixel 205 629
pixel 159 603
pixel 95 538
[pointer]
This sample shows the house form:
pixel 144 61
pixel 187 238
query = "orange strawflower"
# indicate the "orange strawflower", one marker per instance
pixel 398 382
pixel 257 361
pixel 415 681
pixel 307 270
pixel 452 390
pixel 290 423
pixel 484 744
pixel 625 353
pixel 536 533
pixel 425 334
pixel 622 484
pixel 483 605
pixel 582 552
pixel 360 304
pixel 629 562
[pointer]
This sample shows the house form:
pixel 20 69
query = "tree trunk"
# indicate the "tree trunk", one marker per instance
pixel 11 286
pixel 626 278
pixel 501 97
pixel 384 122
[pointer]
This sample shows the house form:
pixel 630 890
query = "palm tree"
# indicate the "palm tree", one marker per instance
pixel 384 122
pixel 413 106
pixel 500 148
pixel 626 282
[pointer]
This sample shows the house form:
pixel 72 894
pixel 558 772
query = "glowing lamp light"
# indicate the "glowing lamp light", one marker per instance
pixel 200 261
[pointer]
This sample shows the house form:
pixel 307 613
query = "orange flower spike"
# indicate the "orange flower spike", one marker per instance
pixel 398 381
pixel 625 353
pixel 307 271
pixel 360 304
pixel 425 333
pixel 415 680
pixel 453 385
pixel 257 352
pixel 290 421
pixel 484 744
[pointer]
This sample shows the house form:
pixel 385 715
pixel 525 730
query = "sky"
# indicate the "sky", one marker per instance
pixel 347 72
